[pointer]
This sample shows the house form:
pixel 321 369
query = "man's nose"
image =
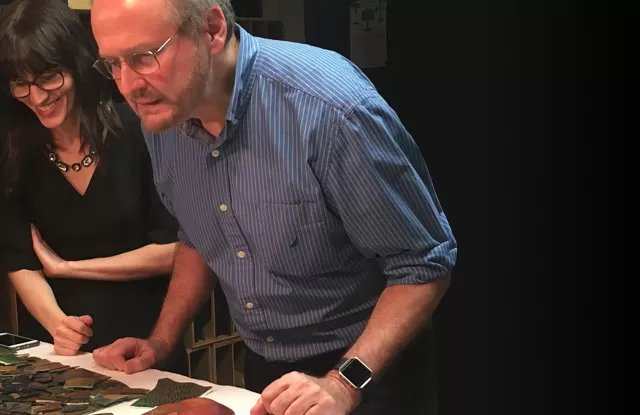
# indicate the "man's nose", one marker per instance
pixel 130 81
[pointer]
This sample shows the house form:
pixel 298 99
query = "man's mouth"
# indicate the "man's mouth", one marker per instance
pixel 148 102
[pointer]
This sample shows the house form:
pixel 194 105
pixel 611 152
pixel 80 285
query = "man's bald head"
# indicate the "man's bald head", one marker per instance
pixel 186 14
pixel 116 13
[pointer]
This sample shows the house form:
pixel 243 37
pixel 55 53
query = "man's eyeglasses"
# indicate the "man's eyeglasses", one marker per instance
pixel 47 81
pixel 144 63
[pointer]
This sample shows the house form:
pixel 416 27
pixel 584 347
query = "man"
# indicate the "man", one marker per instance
pixel 298 189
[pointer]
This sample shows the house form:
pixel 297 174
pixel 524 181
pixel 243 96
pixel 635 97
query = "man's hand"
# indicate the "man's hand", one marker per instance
pixel 132 355
pixel 297 394
pixel 71 334
pixel 52 264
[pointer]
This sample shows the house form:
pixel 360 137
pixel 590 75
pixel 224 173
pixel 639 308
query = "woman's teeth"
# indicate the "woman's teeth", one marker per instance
pixel 47 107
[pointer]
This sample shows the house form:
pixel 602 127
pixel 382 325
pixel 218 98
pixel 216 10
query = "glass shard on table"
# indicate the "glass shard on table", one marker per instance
pixel 74 408
pixel 120 397
pixel 123 390
pixel 43 377
pixel 49 367
pixel 35 386
pixel 80 383
pixel 50 407
pixel 16 408
pixel 81 373
pixel 38 386
pixel 9 359
pixel 36 361
pixel 108 400
pixel 7 369
pixel 169 391
pixel 75 395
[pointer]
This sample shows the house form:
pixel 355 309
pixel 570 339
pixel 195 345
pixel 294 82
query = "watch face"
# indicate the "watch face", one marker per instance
pixel 357 373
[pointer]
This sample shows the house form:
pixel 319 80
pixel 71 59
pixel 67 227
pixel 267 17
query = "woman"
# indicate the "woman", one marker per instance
pixel 85 239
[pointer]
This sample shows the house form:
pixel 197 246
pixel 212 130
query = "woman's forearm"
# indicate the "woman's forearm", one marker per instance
pixel 38 298
pixel 149 261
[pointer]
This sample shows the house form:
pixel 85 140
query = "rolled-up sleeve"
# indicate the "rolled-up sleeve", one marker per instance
pixel 379 185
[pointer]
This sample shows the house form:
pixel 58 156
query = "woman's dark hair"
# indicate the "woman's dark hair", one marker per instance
pixel 35 36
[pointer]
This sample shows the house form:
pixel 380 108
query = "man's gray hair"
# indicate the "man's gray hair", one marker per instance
pixel 190 14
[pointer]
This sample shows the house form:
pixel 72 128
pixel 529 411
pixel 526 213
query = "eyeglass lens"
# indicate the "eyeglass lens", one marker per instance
pixel 48 81
pixel 142 63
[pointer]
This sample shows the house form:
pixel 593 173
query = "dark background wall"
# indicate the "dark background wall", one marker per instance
pixel 443 103
pixel 518 108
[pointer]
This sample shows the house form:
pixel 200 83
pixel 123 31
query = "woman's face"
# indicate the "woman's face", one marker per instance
pixel 49 95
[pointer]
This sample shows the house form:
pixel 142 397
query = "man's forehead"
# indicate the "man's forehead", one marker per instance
pixel 121 28
pixel 115 13
pixel 128 42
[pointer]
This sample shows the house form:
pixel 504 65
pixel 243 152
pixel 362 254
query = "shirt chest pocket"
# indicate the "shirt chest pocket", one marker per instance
pixel 294 239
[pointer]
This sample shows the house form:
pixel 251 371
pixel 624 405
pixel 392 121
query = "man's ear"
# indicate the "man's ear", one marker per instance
pixel 216 29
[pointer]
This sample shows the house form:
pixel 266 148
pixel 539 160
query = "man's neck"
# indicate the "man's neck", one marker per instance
pixel 213 112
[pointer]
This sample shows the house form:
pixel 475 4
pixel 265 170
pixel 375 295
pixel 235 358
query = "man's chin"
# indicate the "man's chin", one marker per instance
pixel 156 121
pixel 155 125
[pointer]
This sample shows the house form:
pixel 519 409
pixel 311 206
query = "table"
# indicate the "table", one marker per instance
pixel 238 399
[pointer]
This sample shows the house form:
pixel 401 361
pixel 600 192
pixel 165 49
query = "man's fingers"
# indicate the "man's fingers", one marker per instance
pixel 314 410
pixel 118 361
pixel 274 390
pixel 109 360
pixel 100 358
pixel 258 408
pixel 282 403
pixel 128 355
pixel 292 403
pixel 139 363
pixel 114 355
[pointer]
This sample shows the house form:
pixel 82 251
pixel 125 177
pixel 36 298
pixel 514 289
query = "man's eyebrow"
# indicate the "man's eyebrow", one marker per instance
pixel 141 48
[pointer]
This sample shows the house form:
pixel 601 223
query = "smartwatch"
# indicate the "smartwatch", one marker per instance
pixel 356 373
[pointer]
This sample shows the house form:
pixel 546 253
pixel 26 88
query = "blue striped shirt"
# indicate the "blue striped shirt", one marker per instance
pixel 311 201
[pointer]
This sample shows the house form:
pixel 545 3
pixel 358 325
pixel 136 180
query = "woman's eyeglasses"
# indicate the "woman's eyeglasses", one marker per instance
pixel 47 81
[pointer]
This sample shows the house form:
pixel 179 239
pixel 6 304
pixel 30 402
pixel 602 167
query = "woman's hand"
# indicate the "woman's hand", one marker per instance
pixel 71 334
pixel 52 264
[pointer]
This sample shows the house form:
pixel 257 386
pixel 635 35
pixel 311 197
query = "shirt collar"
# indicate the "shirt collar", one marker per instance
pixel 244 77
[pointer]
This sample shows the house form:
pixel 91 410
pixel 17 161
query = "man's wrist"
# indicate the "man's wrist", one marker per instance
pixel 352 394
pixel 164 343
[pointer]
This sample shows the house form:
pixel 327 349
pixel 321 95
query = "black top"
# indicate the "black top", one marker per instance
pixel 120 211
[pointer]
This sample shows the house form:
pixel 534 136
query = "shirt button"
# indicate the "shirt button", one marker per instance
pixel 249 306
pixel 241 254
pixel 215 153
pixel 270 339
pixel 224 207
